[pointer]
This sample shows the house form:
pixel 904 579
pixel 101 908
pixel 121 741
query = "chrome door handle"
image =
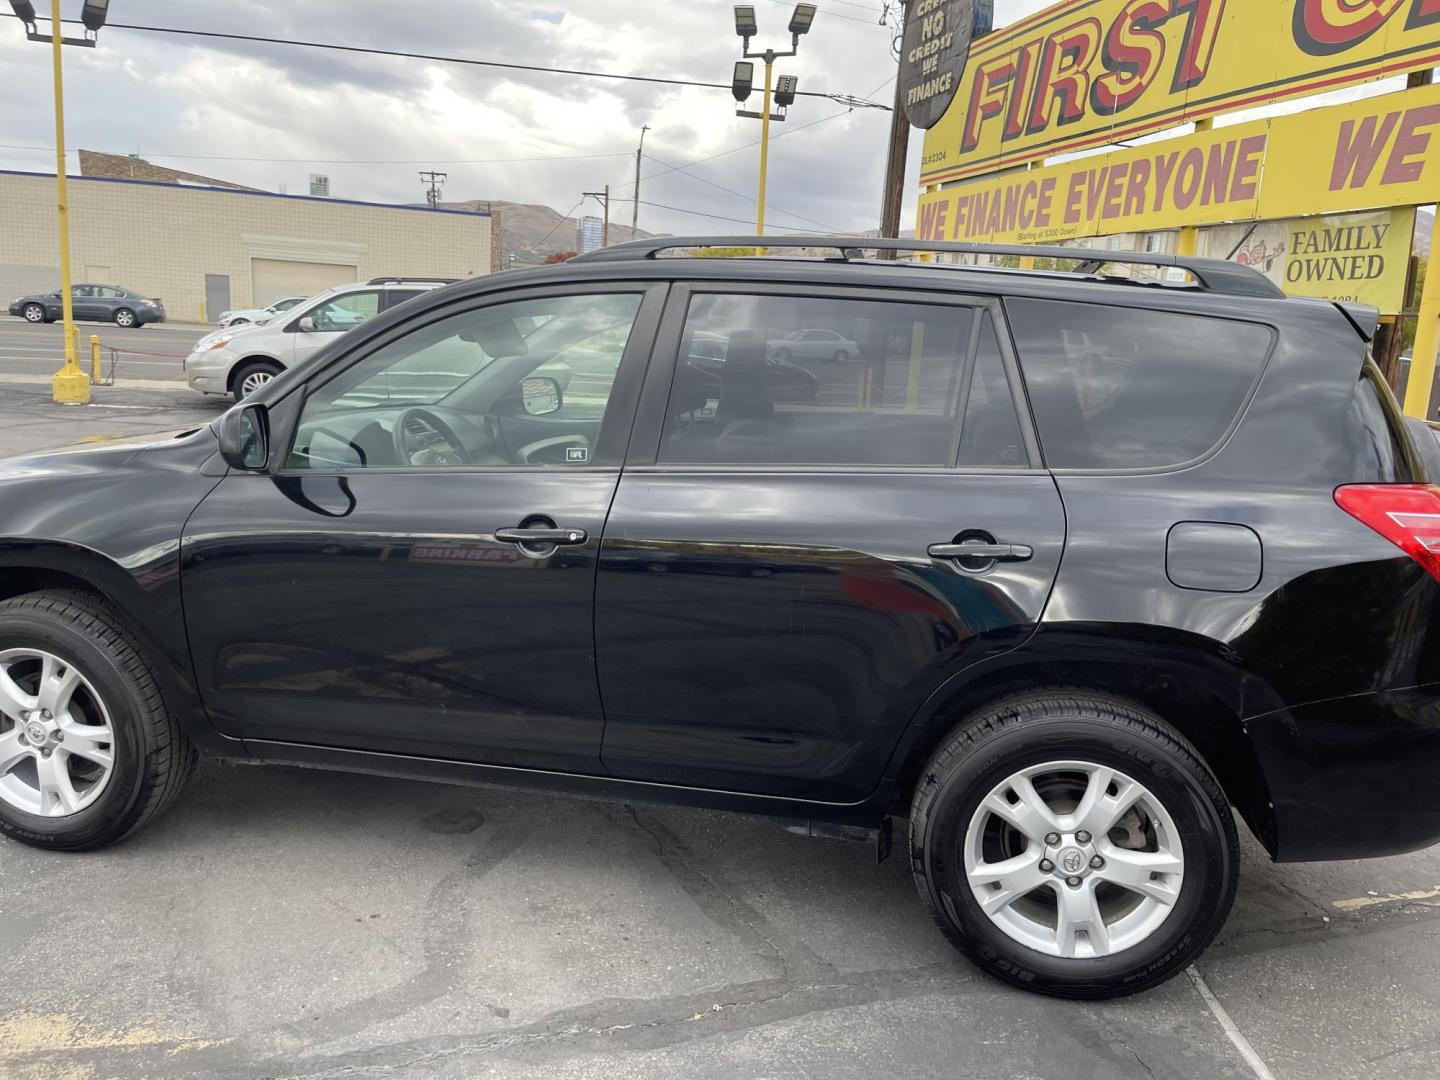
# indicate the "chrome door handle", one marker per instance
pixel 998 552
pixel 538 535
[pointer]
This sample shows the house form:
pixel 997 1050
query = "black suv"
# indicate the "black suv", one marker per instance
pixel 1060 568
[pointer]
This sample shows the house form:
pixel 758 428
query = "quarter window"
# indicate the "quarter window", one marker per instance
pixel 1121 388
pixel 810 380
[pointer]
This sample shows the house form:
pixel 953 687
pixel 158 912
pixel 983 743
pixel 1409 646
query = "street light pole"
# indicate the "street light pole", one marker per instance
pixel 746 27
pixel 69 385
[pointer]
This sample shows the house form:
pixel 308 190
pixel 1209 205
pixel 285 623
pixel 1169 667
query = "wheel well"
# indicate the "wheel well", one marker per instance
pixel 19 580
pixel 1185 702
pixel 249 361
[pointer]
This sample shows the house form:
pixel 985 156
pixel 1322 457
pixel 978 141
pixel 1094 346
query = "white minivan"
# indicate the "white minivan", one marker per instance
pixel 240 360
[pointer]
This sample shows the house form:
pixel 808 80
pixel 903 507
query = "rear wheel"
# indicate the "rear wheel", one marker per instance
pixel 88 750
pixel 1074 844
pixel 34 313
pixel 125 318
pixel 251 376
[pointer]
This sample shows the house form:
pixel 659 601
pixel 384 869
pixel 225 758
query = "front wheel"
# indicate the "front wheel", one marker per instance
pixel 34 313
pixel 88 750
pixel 1074 844
pixel 251 376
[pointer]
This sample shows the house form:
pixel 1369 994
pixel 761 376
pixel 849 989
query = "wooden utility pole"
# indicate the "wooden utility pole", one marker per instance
pixel 635 211
pixel 894 195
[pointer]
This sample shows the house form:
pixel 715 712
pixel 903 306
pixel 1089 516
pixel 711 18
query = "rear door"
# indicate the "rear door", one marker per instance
pixel 781 584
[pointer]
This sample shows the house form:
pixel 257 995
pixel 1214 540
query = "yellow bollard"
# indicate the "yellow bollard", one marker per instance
pixel 70 385
pixel 94 358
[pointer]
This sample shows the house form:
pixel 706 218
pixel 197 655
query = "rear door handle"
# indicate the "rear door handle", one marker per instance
pixel 998 552
pixel 535 536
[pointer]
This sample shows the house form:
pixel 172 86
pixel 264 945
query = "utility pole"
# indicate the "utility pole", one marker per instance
pixel 894 196
pixel 635 212
pixel 432 193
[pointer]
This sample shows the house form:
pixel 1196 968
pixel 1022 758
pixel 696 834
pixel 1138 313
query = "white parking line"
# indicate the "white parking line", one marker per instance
pixel 1361 902
pixel 1233 1033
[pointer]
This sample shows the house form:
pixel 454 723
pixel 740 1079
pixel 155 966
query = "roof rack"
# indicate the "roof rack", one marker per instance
pixel 1212 275
pixel 402 280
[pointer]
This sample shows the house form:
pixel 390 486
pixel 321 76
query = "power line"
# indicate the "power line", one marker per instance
pixel 681 169
pixel 344 161
pixel 716 217
pixel 368 51
pixel 840 14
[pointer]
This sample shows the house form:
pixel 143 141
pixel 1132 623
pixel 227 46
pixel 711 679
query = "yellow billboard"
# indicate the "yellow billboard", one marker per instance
pixel 1381 152
pixel 1086 73
pixel 1361 258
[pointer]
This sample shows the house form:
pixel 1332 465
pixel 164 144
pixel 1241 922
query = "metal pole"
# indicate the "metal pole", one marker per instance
pixel 1190 235
pixel 605 229
pixel 69 385
pixel 1427 334
pixel 635 211
pixel 764 144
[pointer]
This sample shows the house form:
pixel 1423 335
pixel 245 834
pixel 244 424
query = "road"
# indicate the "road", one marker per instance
pixel 280 922
pixel 39 350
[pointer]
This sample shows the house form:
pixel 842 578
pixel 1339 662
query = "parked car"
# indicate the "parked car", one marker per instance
pixel 705 368
pixel 1080 571
pixel 815 344
pixel 241 359
pixel 91 303
pixel 255 315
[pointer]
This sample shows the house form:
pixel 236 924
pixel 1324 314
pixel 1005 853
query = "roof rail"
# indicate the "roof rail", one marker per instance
pixel 403 280
pixel 1212 275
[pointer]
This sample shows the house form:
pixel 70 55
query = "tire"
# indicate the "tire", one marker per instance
pixel 1141 939
pixel 125 318
pixel 782 353
pixel 250 375
pixel 150 757
pixel 841 356
pixel 34 313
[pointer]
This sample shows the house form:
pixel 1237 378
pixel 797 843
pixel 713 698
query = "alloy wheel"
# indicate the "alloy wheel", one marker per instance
pixel 124 318
pixel 1074 859
pixel 57 742
pixel 34 313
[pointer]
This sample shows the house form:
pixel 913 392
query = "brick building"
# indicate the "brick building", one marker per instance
pixel 203 245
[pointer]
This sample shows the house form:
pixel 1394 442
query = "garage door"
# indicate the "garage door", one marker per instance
pixel 272 279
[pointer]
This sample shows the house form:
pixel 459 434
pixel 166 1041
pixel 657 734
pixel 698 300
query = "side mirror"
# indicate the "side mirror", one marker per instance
pixel 307 325
pixel 541 395
pixel 245 438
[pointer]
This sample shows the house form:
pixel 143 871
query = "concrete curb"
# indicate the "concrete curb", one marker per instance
pixel 171 385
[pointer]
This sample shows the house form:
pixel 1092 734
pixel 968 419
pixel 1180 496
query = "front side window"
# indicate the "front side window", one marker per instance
pixel 346 312
pixel 1121 388
pixel 522 383
pixel 812 380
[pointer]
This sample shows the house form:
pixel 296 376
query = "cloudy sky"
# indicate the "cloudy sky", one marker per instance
pixel 269 115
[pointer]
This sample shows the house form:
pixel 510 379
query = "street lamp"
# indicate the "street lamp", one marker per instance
pixel 746 27
pixel 69 385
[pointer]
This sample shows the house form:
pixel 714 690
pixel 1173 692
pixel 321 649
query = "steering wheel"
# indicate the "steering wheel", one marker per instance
pixel 432 443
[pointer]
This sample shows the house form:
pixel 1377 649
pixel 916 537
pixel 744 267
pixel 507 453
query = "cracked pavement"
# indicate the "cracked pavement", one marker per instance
pixel 289 923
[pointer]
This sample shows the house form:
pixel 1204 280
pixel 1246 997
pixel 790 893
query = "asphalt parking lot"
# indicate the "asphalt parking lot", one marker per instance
pixel 279 922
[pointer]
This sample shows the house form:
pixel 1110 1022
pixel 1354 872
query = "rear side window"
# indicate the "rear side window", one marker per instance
pixel 1120 388
pixel 780 380
pixel 1379 452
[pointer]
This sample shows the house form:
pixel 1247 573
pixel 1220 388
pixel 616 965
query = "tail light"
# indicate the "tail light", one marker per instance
pixel 1408 515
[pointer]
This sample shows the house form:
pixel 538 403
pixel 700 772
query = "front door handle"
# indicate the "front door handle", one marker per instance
pixel 532 537
pixel 976 550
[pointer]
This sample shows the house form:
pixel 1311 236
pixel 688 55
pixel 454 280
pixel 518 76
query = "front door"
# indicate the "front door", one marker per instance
pixel 782 583
pixel 416 572
pixel 328 321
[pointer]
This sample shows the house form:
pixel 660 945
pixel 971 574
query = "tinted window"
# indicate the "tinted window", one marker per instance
pixel 1119 388
pixel 1379 453
pixel 751 385
pixel 991 433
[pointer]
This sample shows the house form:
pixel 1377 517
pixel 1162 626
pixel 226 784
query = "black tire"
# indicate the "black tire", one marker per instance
pixel 840 357
pixel 782 353
pixel 34 314
pixel 245 369
pixel 126 318
pixel 152 756
pixel 1060 724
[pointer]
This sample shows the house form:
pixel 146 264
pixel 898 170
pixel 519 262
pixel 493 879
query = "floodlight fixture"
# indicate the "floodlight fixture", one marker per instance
pixel 802 20
pixel 785 88
pixel 24 11
pixel 745 24
pixel 94 13
pixel 744 81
